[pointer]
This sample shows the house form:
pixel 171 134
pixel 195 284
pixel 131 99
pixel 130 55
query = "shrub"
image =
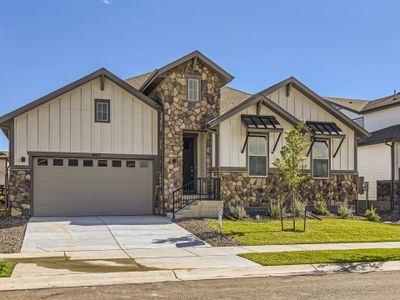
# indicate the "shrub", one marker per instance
pixel 371 215
pixel 321 208
pixel 238 212
pixel 274 210
pixel 344 212
pixel 299 209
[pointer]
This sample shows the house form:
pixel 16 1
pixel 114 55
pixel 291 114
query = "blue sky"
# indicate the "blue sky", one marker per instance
pixel 337 48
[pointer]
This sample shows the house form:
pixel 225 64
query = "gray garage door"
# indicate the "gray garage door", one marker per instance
pixel 85 187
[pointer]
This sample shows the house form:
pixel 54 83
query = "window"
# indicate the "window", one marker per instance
pixel 72 162
pixel 144 164
pixel 130 164
pixel 257 155
pixel 102 163
pixel 320 159
pixel 116 164
pixel 102 110
pixel 88 163
pixel 42 162
pixel 193 89
pixel 58 162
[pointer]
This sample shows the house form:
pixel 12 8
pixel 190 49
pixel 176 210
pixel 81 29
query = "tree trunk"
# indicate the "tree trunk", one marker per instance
pixel 305 216
pixel 293 208
pixel 280 206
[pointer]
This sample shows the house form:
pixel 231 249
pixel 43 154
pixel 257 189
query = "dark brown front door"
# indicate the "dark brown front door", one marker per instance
pixel 189 160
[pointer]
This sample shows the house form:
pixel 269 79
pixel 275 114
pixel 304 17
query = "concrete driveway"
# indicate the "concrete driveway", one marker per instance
pixel 105 233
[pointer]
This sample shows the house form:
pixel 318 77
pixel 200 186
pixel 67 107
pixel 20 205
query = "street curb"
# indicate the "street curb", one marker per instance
pixel 98 279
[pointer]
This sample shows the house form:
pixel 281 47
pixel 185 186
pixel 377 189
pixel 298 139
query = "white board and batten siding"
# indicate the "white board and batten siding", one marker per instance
pixel 67 124
pixel 233 134
pixel 374 163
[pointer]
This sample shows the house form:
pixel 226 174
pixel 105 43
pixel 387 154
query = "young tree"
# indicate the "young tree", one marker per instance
pixel 292 164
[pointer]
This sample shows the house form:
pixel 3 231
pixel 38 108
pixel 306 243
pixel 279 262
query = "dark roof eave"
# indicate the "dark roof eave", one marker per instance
pixel 65 89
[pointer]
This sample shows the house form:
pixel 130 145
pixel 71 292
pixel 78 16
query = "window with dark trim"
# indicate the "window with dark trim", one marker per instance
pixel 88 163
pixel 102 110
pixel 258 156
pixel 73 163
pixel 116 164
pixel 130 164
pixel 42 162
pixel 58 162
pixel 320 159
pixel 193 89
pixel 102 163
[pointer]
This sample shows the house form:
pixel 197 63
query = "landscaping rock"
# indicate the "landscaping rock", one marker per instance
pixel 200 228
pixel 12 231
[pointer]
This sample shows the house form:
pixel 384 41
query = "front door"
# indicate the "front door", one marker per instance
pixel 189 161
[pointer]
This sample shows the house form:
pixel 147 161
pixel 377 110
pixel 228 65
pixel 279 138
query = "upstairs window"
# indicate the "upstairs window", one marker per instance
pixel 193 89
pixel 320 159
pixel 257 155
pixel 102 110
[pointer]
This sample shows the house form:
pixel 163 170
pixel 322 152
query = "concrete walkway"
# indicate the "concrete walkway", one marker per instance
pixel 47 234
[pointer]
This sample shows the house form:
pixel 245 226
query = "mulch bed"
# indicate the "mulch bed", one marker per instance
pixel 12 231
pixel 200 228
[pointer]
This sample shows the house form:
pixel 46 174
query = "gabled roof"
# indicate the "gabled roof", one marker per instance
pixel 231 97
pixel 354 105
pixel 137 81
pixel 382 103
pixel 101 72
pixel 365 106
pixel 301 87
pixel 387 134
pixel 156 75
pixel 254 99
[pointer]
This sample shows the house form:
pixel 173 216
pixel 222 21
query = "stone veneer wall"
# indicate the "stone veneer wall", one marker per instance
pixel 181 115
pixel 19 193
pixel 237 188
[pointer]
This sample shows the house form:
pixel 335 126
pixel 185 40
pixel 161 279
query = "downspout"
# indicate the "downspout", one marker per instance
pixel 392 162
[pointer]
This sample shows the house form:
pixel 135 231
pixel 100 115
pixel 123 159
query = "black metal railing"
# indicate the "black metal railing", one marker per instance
pixel 197 189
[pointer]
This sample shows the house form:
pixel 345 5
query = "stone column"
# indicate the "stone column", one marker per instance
pixel 19 193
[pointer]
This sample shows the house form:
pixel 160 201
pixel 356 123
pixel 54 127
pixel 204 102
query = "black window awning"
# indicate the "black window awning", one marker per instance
pixel 328 129
pixel 325 130
pixel 254 123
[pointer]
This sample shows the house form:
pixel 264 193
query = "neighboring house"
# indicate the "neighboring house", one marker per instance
pixel 3 167
pixel 105 146
pixel 378 155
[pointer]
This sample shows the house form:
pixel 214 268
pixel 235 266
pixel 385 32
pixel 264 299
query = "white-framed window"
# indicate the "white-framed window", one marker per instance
pixel 102 110
pixel 320 159
pixel 257 152
pixel 193 89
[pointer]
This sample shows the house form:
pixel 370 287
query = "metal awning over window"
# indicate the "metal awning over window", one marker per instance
pixel 256 124
pixel 325 130
pixel 329 129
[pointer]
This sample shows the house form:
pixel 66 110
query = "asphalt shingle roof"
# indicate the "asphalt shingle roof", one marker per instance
pixel 387 134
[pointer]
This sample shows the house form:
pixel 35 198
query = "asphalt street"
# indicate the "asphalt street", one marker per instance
pixel 377 285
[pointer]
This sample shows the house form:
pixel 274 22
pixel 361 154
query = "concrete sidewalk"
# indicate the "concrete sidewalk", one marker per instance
pixel 96 279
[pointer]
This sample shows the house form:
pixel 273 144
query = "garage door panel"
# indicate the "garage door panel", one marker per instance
pixel 81 191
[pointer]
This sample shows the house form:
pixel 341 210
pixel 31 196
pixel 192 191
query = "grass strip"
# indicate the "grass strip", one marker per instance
pixel 325 231
pixel 323 256
pixel 6 268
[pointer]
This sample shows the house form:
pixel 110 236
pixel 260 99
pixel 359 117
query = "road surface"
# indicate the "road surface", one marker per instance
pixel 378 285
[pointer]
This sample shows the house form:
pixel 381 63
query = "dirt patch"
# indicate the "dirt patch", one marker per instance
pixel 200 228
pixel 12 231
pixel 87 265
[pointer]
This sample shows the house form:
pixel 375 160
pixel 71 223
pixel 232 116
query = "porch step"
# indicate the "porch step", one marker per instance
pixel 200 209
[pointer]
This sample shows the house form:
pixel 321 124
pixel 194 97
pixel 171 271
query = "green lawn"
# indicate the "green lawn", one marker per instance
pixel 323 256
pixel 6 268
pixel 325 231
